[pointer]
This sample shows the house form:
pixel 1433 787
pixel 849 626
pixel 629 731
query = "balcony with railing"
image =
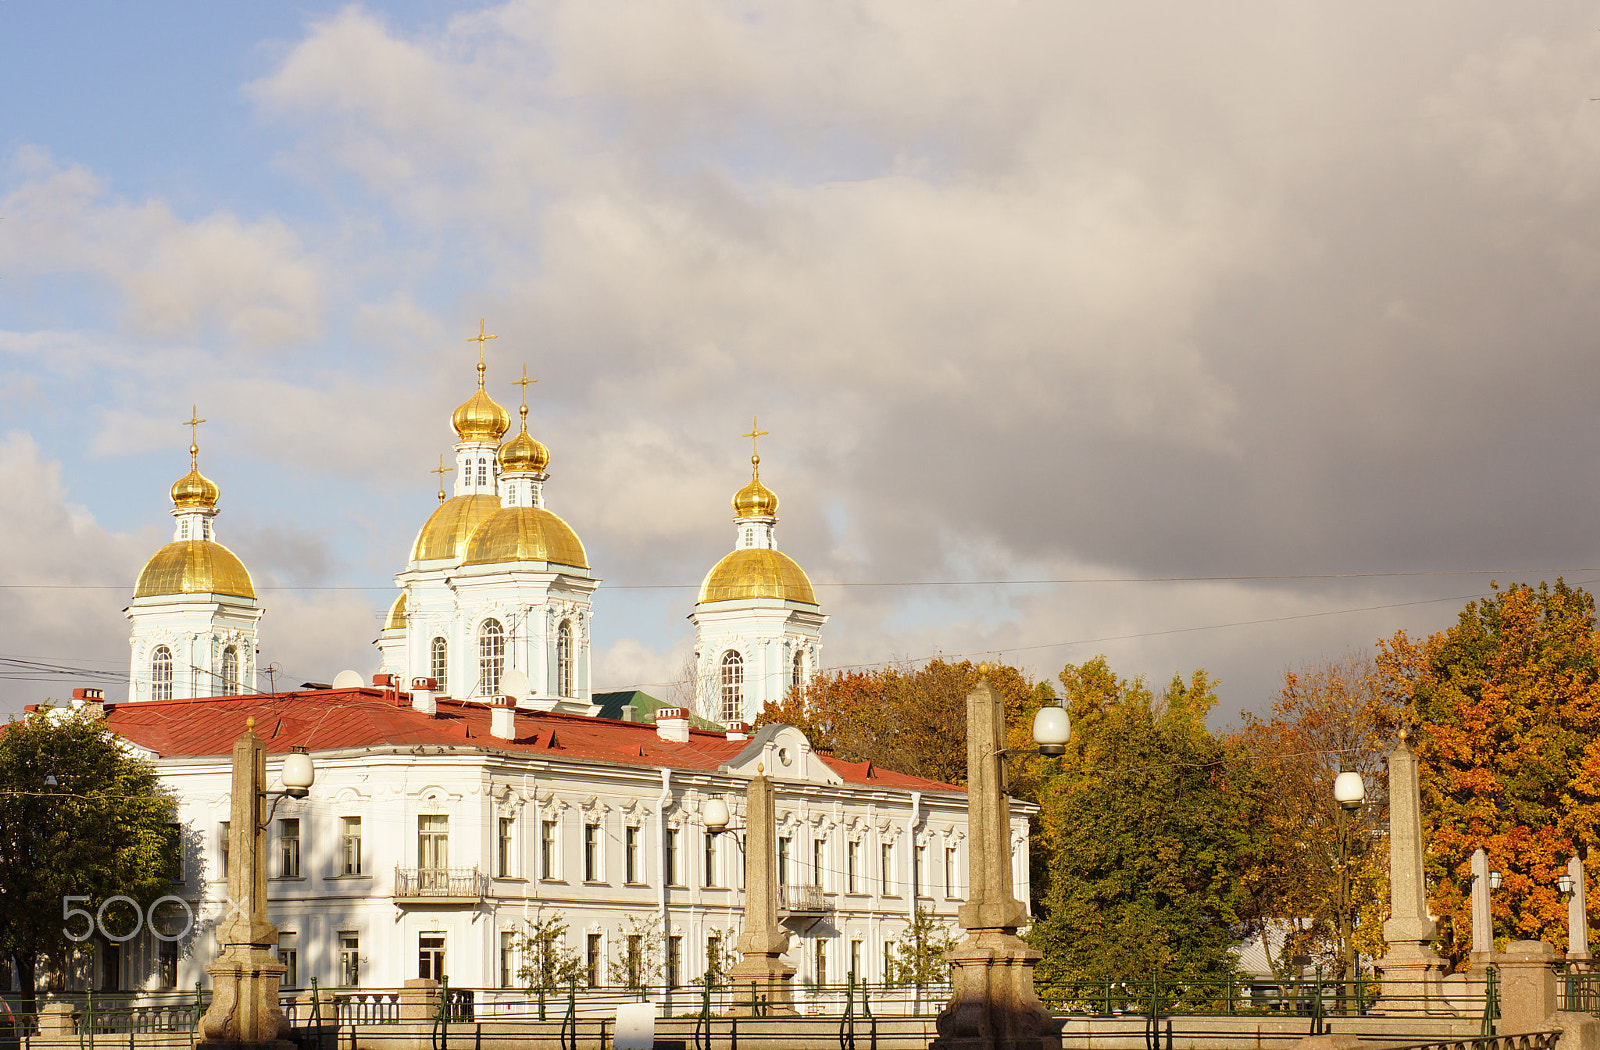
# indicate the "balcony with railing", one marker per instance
pixel 804 899
pixel 439 885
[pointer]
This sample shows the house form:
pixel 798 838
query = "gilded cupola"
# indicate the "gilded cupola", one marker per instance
pixel 522 454
pixel 755 500
pixel 756 569
pixel 480 417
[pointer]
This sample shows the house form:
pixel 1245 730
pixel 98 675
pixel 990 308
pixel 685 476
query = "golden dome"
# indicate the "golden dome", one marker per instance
pixel 524 534
pixel 522 454
pixel 397 614
pixel 445 533
pixel 480 418
pixel 194 489
pixel 755 500
pixel 194 567
pixel 757 572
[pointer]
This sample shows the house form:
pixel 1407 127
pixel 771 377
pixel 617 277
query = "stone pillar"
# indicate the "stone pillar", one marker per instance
pixel 1578 918
pixel 762 971
pixel 58 1021
pixel 244 1012
pixel 419 1001
pixel 1411 971
pixel 1482 920
pixel 1527 987
pixel 992 1001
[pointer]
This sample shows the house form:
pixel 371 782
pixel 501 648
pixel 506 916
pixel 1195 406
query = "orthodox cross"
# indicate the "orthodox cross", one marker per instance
pixel 523 382
pixel 480 339
pixel 193 423
pixel 441 470
pixel 755 435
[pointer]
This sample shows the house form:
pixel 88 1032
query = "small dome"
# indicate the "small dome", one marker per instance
pixel 755 500
pixel 480 418
pixel 757 572
pixel 194 490
pixel 523 455
pixel 445 533
pixel 397 614
pixel 524 534
pixel 194 567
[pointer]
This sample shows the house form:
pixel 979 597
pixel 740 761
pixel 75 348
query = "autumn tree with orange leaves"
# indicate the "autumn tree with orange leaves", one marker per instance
pixel 1507 709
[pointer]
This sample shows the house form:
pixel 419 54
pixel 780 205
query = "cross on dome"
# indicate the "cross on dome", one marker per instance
pixel 441 470
pixel 193 423
pixel 480 339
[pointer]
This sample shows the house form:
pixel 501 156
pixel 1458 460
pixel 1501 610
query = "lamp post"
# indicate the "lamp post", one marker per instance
pixel 244 1012
pixel 1349 791
pixel 761 968
pixel 992 1001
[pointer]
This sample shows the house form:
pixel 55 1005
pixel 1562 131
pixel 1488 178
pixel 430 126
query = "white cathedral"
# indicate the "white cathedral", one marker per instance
pixel 475 786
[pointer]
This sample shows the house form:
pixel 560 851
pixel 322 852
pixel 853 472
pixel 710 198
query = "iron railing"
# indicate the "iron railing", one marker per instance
pixel 804 898
pixel 440 882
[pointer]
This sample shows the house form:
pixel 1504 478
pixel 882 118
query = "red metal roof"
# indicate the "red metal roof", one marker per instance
pixel 338 719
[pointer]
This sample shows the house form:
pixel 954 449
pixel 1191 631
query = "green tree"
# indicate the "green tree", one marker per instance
pixel 80 817
pixel 637 963
pixel 1151 827
pixel 548 964
pixel 1507 709
pixel 722 953
pixel 916 957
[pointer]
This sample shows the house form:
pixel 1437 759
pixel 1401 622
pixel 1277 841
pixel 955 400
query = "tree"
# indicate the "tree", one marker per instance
pixel 916 957
pixel 80 817
pixel 637 961
pixel 722 954
pixel 1326 868
pixel 1507 711
pixel 548 965
pixel 1151 827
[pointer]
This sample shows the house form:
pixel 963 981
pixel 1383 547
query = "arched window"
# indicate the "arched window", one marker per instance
pixel 491 657
pixel 205 528
pixel 732 686
pixel 749 537
pixel 161 673
pixel 439 664
pixel 797 671
pixel 230 671
pixel 564 659
pixel 183 530
pixel 483 471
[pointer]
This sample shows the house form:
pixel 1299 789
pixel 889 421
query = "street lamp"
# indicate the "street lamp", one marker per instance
pixel 1564 884
pixel 244 1010
pixel 992 1000
pixel 1349 791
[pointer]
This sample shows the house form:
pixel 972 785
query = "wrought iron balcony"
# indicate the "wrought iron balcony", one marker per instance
pixel 803 899
pixel 440 885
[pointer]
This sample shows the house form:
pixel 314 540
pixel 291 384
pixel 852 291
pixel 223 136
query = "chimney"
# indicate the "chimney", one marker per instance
pixel 422 696
pixel 672 724
pixel 630 713
pixel 93 699
pixel 738 730
pixel 503 718
pixel 384 681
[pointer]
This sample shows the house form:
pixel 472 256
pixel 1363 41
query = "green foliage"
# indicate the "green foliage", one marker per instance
pixel 722 953
pixel 637 961
pixel 1150 826
pixel 101 830
pixel 916 957
pixel 548 964
pixel 1507 709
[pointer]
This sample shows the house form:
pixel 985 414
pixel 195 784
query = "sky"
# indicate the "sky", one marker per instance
pixel 1236 335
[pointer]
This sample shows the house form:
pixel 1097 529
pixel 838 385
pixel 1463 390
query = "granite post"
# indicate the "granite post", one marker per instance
pixel 1411 971
pixel 1527 987
pixel 244 1012
pixel 992 1001
pixel 761 972
pixel 1482 920
pixel 1578 918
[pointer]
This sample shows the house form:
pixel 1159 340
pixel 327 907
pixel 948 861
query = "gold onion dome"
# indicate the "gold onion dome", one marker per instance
pixel 480 418
pixel 445 533
pixel 397 614
pixel 522 454
pixel 757 572
pixel 194 567
pixel 524 534
pixel 194 490
pixel 755 500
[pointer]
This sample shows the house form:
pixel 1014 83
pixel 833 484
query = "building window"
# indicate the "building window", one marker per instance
pixel 950 871
pixel 352 845
pixel 161 673
pixel 852 861
pixel 289 956
pixel 483 471
pixel 205 528
pixel 591 853
pixel 183 529
pixel 672 871
pixel 504 849
pixel 491 657
pixel 439 664
pixel 222 850
pixel 230 671
pixel 634 960
pixel 711 860
pixel 855 961
pixel 732 686
pixel 167 963
pixel 797 671
pixel 591 960
pixel 433 852
pixel 749 537
pixel 817 848
pixel 784 845
pixel 547 850
pixel 508 959
pixel 822 962
pixel 430 956
pixel 887 866
pixel 289 848
pixel 564 659
pixel 919 872
pixel 674 961
pixel 349 959
pixel 631 856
